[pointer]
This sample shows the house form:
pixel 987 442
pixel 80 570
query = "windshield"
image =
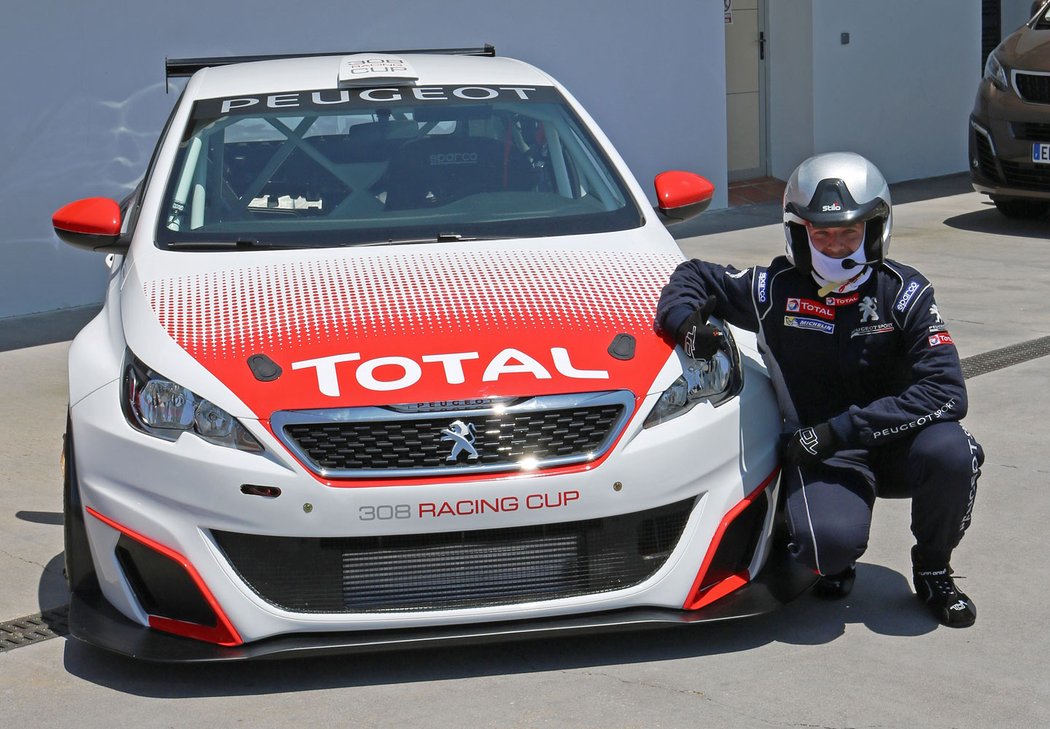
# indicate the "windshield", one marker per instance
pixel 368 166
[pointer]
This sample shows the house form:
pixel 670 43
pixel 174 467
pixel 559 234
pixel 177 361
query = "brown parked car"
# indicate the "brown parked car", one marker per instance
pixel 1010 123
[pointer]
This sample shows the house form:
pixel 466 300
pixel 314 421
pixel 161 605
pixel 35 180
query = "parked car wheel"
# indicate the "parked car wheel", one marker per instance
pixel 1014 208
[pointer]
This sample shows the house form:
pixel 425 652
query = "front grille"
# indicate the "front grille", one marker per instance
pixel 1033 87
pixel 385 442
pixel 456 570
pixel 1032 131
pixel 1028 176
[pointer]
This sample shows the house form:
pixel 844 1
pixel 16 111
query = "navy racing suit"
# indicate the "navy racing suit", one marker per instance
pixel 879 366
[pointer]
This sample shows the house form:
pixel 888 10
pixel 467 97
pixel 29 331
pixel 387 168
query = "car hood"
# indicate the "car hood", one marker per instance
pixel 293 330
pixel 1027 49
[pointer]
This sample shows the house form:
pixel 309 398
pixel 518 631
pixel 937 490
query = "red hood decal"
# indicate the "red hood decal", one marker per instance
pixel 421 327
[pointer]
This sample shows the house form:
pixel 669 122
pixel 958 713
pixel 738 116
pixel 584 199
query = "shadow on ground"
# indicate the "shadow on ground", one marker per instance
pixel 991 221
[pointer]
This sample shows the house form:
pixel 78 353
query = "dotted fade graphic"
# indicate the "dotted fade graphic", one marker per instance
pixel 277 307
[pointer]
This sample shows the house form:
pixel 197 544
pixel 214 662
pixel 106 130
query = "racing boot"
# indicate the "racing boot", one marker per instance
pixel 836 586
pixel 936 588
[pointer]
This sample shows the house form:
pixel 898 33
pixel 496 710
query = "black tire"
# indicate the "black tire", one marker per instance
pixel 80 570
pixel 1022 209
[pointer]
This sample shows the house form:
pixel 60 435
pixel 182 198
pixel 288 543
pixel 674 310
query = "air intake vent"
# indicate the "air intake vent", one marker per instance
pixel 457 569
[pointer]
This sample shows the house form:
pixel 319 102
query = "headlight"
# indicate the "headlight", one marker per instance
pixel 156 405
pixel 712 380
pixel 994 70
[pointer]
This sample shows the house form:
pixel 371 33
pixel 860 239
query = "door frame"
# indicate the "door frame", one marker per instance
pixel 762 170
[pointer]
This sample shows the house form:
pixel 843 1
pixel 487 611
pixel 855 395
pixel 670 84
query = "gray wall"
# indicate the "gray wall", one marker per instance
pixel 790 85
pixel 898 93
pixel 85 93
pixel 1015 13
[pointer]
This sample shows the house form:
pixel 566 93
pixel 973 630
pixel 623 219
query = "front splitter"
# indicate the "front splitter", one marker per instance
pixel 94 621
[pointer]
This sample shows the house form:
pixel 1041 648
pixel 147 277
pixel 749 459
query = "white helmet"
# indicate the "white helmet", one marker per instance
pixel 837 189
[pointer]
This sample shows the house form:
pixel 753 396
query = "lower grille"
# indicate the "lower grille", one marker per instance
pixel 456 570
pixel 1032 131
pixel 1029 176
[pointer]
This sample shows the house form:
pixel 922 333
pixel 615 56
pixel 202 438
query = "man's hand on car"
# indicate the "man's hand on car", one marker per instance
pixel 699 339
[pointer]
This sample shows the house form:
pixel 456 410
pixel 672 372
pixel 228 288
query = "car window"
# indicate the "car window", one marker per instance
pixel 374 165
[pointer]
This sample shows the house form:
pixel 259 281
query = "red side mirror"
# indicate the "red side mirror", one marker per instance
pixel 92 223
pixel 683 195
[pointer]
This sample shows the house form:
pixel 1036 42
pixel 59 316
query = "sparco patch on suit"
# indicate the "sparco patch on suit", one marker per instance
pixel 902 304
pixel 813 325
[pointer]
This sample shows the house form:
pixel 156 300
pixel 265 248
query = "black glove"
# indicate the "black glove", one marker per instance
pixel 699 339
pixel 807 446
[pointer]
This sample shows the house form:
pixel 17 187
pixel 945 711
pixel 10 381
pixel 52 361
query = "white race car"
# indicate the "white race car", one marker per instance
pixel 376 366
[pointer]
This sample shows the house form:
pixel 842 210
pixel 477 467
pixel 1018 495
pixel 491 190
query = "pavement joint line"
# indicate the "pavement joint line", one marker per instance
pixel 52 623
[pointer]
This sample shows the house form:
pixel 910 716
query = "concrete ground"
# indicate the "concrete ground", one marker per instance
pixel 873 660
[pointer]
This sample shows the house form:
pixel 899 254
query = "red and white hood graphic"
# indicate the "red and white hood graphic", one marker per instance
pixel 355 327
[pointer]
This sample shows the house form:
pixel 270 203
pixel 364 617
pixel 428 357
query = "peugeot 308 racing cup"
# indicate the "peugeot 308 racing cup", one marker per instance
pixel 376 365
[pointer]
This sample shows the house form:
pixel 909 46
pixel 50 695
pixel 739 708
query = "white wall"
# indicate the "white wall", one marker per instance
pixel 899 93
pixel 84 93
pixel 791 140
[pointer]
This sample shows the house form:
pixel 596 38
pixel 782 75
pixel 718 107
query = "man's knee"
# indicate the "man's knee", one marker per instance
pixel 946 448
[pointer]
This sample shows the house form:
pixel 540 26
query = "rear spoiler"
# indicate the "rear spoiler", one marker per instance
pixel 182 67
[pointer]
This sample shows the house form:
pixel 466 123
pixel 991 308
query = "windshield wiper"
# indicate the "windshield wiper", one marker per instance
pixel 228 245
pixel 440 238
pixel 238 244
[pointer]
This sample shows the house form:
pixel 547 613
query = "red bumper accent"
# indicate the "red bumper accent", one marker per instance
pixel 700 596
pixel 222 633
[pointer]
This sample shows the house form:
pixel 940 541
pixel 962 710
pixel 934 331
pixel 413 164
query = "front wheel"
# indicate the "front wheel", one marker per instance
pixel 80 571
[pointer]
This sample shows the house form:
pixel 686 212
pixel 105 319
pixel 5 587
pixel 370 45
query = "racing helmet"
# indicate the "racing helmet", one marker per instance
pixel 837 189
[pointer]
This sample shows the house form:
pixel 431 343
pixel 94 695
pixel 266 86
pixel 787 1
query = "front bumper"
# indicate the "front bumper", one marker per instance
pixel 95 622
pixel 1002 130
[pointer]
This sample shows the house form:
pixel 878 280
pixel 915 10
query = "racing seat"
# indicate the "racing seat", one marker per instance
pixel 441 169
pixel 368 142
pixel 378 141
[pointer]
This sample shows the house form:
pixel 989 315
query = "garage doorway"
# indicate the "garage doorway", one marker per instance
pixel 745 33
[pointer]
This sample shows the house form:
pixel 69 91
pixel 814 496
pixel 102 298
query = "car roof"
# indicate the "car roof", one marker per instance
pixel 322 72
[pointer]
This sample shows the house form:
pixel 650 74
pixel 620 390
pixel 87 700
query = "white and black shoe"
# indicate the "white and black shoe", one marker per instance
pixel 936 588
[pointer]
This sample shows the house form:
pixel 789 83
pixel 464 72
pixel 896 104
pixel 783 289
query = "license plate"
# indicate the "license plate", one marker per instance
pixel 1041 153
